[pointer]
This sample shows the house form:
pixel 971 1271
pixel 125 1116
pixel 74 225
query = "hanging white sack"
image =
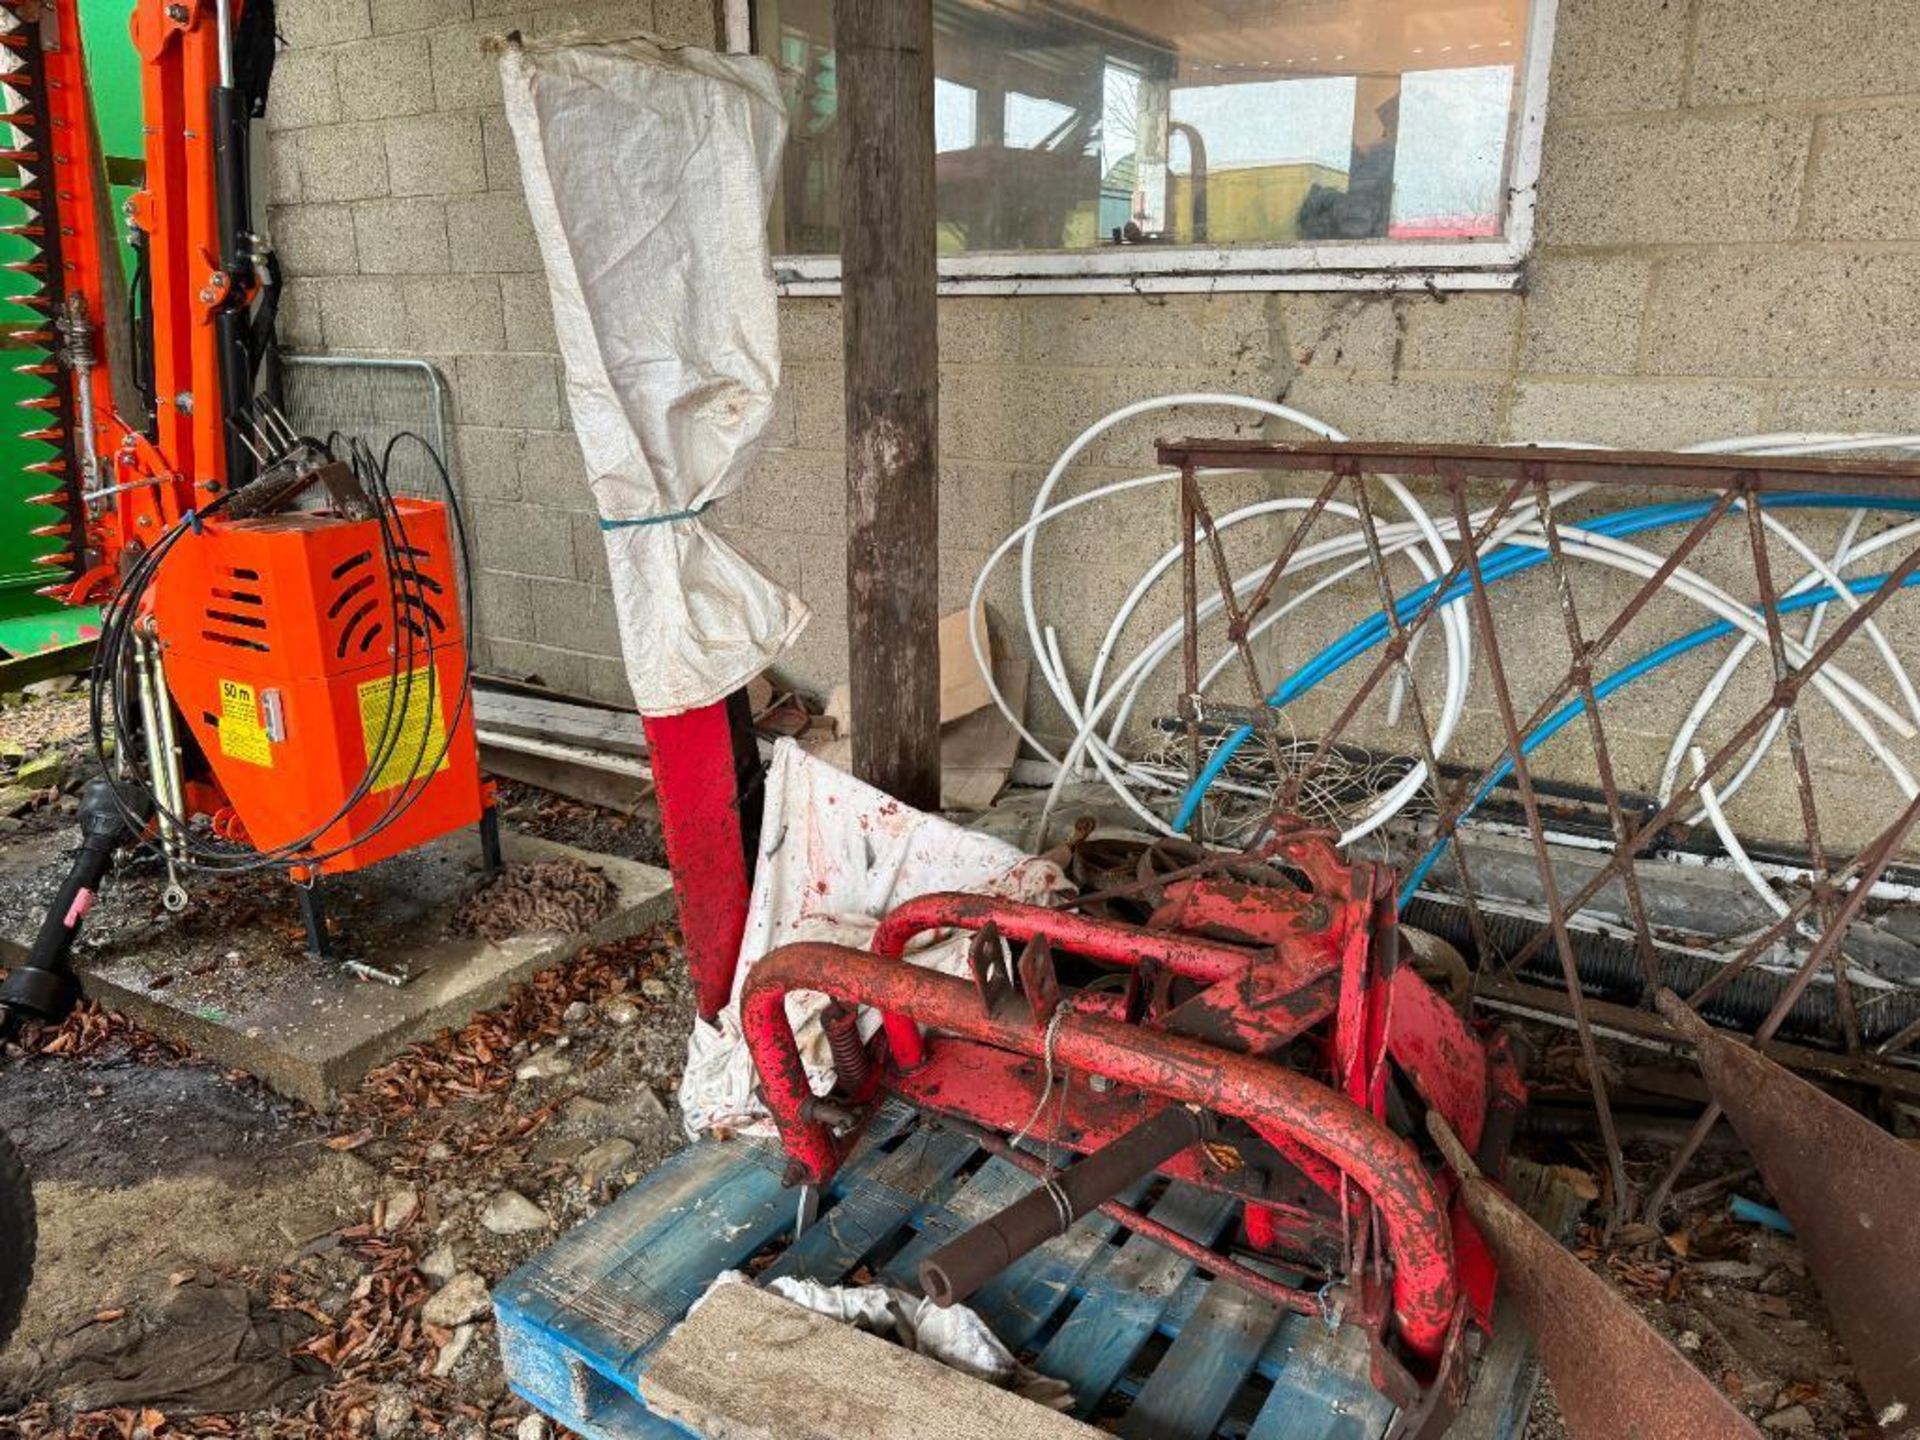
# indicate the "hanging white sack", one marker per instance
pixel 648 173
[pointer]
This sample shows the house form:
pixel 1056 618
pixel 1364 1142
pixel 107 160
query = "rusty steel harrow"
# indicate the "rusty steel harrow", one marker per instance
pixel 1567 661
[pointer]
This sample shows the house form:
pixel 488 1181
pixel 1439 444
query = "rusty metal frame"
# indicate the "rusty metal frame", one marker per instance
pixel 1837 891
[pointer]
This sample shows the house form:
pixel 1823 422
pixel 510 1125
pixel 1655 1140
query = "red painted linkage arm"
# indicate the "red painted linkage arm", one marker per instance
pixel 1189 1071
pixel 1117 944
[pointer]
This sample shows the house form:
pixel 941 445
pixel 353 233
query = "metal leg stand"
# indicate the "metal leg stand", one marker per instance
pixel 314 914
pixel 490 858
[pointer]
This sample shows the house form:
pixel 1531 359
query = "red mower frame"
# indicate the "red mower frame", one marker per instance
pixel 1267 993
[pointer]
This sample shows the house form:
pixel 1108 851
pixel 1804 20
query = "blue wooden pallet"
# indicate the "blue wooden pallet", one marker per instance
pixel 1124 1322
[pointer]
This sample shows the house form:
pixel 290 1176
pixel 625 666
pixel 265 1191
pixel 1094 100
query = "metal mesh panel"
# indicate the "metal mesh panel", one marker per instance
pixel 1539 861
pixel 376 399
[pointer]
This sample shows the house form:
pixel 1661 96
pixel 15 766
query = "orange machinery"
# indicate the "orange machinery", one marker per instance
pixel 283 658
pixel 279 637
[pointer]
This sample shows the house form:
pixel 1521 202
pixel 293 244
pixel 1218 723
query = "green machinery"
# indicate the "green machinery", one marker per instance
pixel 31 623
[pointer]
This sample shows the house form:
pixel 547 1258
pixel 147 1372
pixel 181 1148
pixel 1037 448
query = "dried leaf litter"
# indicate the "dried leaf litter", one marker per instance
pixel 567 896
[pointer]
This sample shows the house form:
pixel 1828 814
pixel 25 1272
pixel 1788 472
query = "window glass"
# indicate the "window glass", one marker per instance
pixel 1101 123
pixel 956 116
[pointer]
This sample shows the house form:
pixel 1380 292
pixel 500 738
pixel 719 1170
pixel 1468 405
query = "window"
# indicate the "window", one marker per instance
pixel 1189 144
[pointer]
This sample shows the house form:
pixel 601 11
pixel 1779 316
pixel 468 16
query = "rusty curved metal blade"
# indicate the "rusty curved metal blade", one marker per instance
pixel 1614 1376
pixel 1850 1190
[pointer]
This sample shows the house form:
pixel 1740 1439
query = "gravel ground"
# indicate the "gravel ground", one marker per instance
pixel 462 1158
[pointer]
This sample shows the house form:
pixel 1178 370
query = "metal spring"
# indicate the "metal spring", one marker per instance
pixel 851 1064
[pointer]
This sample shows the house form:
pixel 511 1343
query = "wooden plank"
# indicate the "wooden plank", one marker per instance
pixel 894 1117
pixel 564 774
pixel 1195 1382
pixel 616 731
pixel 1323 1388
pixel 993 1187
pixel 889 290
pixel 751 1366
pixel 899 1187
pixel 609 1290
pixel 593 1409
pixel 1127 1296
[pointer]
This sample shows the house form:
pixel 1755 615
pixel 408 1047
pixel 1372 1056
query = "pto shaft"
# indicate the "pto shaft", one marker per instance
pixel 964 1264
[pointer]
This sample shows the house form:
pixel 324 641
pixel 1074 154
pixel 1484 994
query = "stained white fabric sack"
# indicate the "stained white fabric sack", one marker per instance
pixel 649 172
pixel 835 856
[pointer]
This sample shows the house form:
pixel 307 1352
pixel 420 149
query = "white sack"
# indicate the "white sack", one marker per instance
pixel 649 172
pixel 835 856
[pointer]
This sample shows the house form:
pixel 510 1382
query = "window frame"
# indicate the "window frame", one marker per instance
pixel 1372 265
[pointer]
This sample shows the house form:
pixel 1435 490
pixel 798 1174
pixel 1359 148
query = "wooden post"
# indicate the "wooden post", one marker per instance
pixel 889 279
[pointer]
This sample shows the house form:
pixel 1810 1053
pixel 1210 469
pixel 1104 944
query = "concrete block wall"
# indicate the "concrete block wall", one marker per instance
pixel 397 211
pixel 1729 242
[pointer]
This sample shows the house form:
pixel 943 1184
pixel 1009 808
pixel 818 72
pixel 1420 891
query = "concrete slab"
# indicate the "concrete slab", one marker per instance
pixel 748 1365
pixel 245 994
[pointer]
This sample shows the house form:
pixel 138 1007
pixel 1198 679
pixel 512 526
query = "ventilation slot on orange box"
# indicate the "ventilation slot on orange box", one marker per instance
pixel 236 614
pixel 353 630
pixel 239 642
pixel 359 629
pixel 340 601
pixel 433 620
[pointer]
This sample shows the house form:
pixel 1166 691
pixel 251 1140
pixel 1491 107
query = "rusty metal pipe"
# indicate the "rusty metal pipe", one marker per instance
pixel 1451 463
pixel 968 1261
pixel 1265 1095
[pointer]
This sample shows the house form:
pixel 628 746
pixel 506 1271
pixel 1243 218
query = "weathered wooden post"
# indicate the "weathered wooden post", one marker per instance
pixel 889 280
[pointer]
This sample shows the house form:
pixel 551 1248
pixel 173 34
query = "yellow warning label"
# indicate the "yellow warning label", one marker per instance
pixel 404 725
pixel 242 736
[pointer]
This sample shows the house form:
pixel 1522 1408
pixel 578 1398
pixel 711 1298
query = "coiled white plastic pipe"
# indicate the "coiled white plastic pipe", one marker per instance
pixel 1416 539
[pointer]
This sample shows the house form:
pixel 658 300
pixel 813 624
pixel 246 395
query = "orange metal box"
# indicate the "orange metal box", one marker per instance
pixel 281 649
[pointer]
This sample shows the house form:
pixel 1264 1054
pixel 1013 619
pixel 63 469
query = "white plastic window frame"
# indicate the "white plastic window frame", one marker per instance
pixel 1370 265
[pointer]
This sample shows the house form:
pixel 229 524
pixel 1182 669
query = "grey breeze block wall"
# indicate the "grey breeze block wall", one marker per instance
pixel 1729 241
